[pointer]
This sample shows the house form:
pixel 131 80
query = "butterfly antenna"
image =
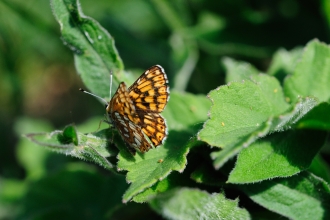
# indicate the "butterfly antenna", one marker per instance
pixel 110 82
pixel 98 97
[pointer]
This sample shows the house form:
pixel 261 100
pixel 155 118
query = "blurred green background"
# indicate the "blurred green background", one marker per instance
pixel 39 84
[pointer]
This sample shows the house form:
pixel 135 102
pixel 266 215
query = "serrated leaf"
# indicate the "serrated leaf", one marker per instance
pixel 280 123
pixel 91 147
pixel 144 170
pixel 237 71
pixel 284 63
pixel 312 74
pixel 240 108
pixel 222 156
pixel 278 155
pixel 240 114
pixel 304 196
pixel 94 49
pixel 188 203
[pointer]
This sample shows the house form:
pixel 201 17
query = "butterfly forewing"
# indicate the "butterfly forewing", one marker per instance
pixel 135 111
pixel 150 92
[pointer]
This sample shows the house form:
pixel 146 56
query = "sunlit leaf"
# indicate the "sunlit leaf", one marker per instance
pixel 91 147
pixel 237 71
pixel 188 203
pixel 242 113
pixel 311 76
pixel 304 196
pixel 278 155
pixel 94 50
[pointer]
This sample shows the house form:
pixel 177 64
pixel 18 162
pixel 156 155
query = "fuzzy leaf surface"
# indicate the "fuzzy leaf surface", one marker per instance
pixel 277 156
pixel 241 113
pixel 304 196
pixel 239 109
pixel 312 74
pixel 188 203
pixel 91 147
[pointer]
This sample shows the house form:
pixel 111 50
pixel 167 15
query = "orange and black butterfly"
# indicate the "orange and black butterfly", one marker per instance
pixel 134 111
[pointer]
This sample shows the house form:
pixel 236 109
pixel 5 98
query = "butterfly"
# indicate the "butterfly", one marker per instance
pixel 135 111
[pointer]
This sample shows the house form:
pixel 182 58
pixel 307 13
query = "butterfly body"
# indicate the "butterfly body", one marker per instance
pixel 134 111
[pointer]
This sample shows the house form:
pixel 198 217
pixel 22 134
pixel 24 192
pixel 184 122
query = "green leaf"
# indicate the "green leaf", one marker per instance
pixel 317 118
pixel 94 49
pixel 76 192
pixel 184 115
pixel 237 71
pixel 144 170
pixel 68 136
pixel 284 62
pixel 91 147
pixel 240 114
pixel 312 74
pixel 186 111
pixel 222 156
pixel 304 196
pixel 280 123
pixel 240 108
pixel 278 155
pixel 173 180
pixel 170 182
pixel 188 203
pixel 289 119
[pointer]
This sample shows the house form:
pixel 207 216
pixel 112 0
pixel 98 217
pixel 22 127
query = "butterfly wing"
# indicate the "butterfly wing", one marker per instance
pixel 150 92
pixel 135 111
pixel 123 116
